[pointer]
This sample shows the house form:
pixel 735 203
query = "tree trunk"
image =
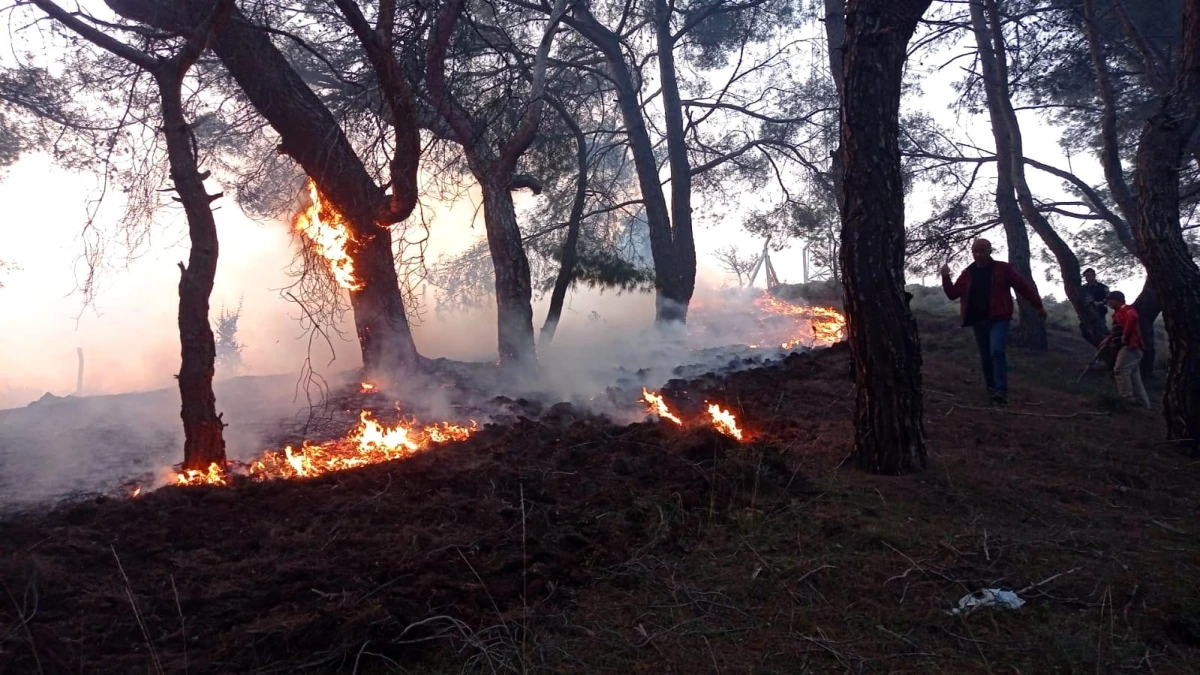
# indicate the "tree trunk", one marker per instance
pixel 204 442
pixel 514 296
pixel 683 244
pixel 672 296
pixel 1169 264
pixel 835 39
pixel 566 268
pixel 380 322
pixel 310 135
pixel 1148 311
pixel 1031 331
pixel 889 426
pixel 1090 325
pixel 1110 149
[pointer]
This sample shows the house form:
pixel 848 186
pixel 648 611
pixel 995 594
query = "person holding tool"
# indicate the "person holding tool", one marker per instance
pixel 1126 338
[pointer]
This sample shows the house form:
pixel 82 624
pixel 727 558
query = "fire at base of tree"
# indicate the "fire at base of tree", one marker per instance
pixel 692 514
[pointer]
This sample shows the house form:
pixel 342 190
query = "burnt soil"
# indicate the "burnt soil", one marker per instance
pixel 567 543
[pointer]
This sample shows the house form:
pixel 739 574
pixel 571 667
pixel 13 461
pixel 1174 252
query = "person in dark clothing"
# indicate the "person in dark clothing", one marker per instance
pixel 1095 293
pixel 984 294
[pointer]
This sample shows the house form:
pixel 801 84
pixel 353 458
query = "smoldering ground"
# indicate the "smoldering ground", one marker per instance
pixel 606 349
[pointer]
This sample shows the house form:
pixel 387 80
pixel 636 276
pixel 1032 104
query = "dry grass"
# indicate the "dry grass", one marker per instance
pixel 594 548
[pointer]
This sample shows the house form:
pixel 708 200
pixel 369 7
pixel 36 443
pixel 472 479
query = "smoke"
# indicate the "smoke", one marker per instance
pixel 127 423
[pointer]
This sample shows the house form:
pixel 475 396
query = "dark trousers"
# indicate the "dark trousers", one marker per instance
pixel 991 337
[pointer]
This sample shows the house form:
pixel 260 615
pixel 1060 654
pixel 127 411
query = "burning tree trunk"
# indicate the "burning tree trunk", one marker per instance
pixel 889 427
pixel 1031 332
pixel 1169 263
pixel 204 442
pixel 566 267
pixel 310 135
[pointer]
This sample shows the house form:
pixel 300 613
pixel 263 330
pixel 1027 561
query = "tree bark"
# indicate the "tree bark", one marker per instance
pixel 204 442
pixel 1169 263
pixel 514 294
pixel 672 294
pixel 683 244
pixel 566 267
pixel 309 134
pixel 1031 331
pixel 889 426
pixel 835 39
pixel 1148 311
pixel 1110 149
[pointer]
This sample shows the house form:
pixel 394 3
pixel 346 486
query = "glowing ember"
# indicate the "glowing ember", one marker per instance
pixel 724 421
pixel 655 405
pixel 367 388
pixel 214 476
pixel 329 235
pixel 369 443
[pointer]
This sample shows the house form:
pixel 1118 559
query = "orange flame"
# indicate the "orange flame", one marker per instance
pixel 724 421
pixel 367 388
pixel 215 475
pixel 369 443
pixel 329 235
pixel 137 492
pixel 655 405
pixel 819 326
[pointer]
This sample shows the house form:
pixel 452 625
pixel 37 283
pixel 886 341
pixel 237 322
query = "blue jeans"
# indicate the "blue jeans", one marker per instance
pixel 991 337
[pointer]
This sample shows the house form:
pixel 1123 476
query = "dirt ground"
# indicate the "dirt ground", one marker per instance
pixel 569 544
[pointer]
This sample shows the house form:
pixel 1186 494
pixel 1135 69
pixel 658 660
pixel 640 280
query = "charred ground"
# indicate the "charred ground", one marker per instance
pixel 568 543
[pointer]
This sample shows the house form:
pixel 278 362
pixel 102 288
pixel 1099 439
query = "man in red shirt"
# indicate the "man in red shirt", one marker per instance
pixel 1126 336
pixel 984 291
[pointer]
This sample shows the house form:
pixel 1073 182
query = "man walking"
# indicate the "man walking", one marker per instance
pixel 984 294
pixel 1126 337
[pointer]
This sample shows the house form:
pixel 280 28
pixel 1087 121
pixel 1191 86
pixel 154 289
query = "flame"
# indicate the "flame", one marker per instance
pixel 724 421
pixel 215 475
pixel 137 492
pixel 655 405
pixel 367 388
pixel 329 235
pixel 369 443
pixel 818 326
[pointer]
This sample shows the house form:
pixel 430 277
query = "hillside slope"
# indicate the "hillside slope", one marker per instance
pixel 570 544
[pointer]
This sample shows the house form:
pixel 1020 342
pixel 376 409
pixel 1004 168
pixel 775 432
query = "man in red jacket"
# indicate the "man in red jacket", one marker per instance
pixel 1126 336
pixel 983 291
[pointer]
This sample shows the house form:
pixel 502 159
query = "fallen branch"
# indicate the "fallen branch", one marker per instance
pixel 1046 581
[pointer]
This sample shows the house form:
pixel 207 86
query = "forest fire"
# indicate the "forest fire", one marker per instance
pixel 367 388
pixel 817 326
pixel 724 421
pixel 655 405
pixel 369 443
pixel 215 475
pixel 329 235
pixel 720 419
